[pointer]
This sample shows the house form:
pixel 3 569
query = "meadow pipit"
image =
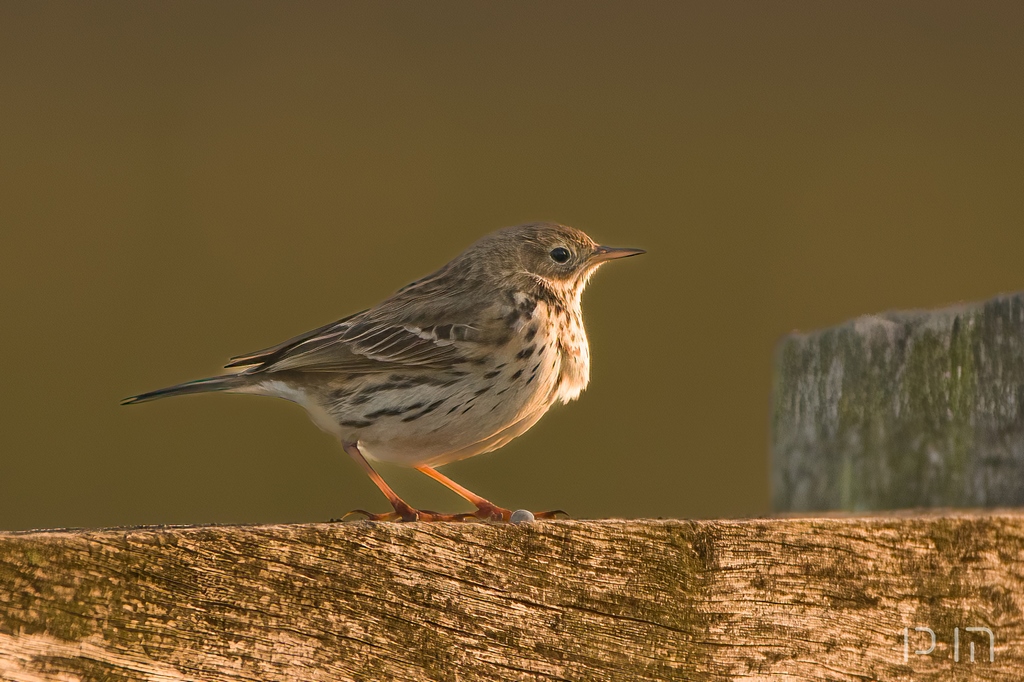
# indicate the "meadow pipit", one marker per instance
pixel 453 365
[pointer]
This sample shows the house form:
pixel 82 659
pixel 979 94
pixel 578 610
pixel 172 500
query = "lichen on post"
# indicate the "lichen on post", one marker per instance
pixel 906 409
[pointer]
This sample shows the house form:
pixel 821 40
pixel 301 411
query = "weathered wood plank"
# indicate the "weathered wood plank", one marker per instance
pixel 902 410
pixel 823 598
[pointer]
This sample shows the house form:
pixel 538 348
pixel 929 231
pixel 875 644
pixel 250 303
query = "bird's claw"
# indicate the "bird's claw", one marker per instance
pixel 553 514
pixel 367 516
pixel 405 516
pixel 495 515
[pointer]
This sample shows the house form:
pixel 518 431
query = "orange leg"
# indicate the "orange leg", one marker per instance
pixel 403 511
pixel 485 509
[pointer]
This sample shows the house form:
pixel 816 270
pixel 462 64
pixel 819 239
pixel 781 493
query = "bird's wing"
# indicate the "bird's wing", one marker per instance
pixel 427 324
pixel 360 345
pixel 267 355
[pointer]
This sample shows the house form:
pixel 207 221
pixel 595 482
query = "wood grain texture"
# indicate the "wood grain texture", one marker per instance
pixel 815 599
pixel 901 410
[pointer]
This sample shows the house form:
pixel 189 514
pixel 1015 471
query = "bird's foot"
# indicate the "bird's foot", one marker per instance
pixel 491 513
pixel 486 514
pixel 363 515
pixel 404 514
pixel 553 514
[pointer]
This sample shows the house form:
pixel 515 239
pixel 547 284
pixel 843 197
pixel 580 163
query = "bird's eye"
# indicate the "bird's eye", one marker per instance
pixel 560 254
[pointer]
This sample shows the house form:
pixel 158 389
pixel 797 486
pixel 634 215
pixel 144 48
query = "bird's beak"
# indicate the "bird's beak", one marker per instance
pixel 603 253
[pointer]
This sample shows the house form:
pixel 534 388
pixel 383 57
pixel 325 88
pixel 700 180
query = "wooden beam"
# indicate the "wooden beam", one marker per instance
pixel 800 598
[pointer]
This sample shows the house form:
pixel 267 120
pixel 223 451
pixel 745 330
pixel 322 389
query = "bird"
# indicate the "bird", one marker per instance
pixel 452 365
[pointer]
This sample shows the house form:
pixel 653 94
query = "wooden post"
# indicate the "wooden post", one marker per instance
pixel 814 598
pixel 915 409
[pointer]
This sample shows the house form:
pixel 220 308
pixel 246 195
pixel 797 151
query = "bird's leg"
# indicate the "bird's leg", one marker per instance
pixel 403 511
pixel 485 509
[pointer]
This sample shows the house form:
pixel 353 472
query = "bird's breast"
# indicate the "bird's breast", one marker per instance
pixel 558 326
pixel 574 351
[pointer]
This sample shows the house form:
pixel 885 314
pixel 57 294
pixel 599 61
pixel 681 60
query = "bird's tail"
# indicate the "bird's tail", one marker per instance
pixel 221 383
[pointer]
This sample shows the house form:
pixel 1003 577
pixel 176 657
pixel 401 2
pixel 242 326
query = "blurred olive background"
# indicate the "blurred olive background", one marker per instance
pixel 182 182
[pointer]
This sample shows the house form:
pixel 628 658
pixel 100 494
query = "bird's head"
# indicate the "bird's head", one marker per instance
pixel 548 254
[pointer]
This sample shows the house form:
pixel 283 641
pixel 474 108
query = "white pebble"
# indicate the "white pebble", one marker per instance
pixel 522 516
